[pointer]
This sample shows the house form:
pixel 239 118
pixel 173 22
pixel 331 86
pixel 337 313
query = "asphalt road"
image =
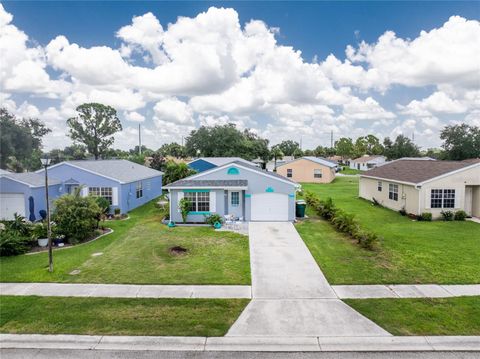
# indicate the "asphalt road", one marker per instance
pixel 89 354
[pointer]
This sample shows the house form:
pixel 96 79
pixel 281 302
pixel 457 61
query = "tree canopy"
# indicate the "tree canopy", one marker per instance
pixel 20 142
pixel 95 126
pixel 288 147
pixel 402 147
pixel 226 141
pixel 461 142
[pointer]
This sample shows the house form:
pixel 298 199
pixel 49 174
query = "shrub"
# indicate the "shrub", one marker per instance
pixel 116 211
pixel 447 215
pixel 213 218
pixel 460 215
pixel 19 225
pixel 104 204
pixel 184 206
pixel 40 230
pixel 76 217
pixel 327 208
pixel 344 222
pixel 425 216
pixel 12 244
pixel 366 239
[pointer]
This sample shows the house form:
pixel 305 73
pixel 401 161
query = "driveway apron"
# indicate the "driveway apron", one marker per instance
pixel 291 296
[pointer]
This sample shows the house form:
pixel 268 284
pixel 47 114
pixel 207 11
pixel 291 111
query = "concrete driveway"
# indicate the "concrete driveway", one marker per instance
pixel 291 296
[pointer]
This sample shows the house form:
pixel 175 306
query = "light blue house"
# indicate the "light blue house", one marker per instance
pixel 24 194
pixel 205 163
pixel 126 185
pixel 237 189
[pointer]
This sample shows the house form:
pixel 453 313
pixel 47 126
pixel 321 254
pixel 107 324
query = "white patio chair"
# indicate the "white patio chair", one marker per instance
pixel 228 221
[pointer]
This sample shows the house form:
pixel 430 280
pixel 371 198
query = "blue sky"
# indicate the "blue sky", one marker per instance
pixel 423 101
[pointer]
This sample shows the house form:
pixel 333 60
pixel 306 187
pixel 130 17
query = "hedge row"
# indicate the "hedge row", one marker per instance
pixel 341 220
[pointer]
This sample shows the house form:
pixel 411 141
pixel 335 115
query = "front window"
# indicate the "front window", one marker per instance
pixel 393 191
pixel 379 186
pixel 105 192
pixel 289 172
pixel 199 201
pixel 442 198
pixel 139 190
pixel 235 199
pixel 317 173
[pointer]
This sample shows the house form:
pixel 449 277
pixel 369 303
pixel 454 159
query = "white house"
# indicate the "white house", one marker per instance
pixel 367 162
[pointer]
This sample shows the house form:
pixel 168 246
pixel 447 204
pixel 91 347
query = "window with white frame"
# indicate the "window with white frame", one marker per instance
pixel 393 191
pixel 235 199
pixel 379 186
pixel 199 201
pixel 139 190
pixel 289 172
pixel 442 198
pixel 105 192
pixel 317 173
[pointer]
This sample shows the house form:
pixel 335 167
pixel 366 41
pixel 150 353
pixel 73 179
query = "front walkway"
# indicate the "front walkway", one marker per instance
pixel 291 296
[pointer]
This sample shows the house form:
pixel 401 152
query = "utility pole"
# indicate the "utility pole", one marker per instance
pixel 413 136
pixel 301 137
pixel 139 140
pixel 331 139
pixel 46 162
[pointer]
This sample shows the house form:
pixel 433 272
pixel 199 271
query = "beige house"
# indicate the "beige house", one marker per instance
pixel 425 186
pixel 308 169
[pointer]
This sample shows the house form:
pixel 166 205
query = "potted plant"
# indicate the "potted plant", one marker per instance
pixel 40 233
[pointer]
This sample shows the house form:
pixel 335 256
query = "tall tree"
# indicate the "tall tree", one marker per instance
pixel 288 147
pixel 95 126
pixel 225 141
pixel 344 147
pixel 173 149
pixel 461 142
pixel 277 154
pixel 20 141
pixel 175 171
pixel 402 147
pixel 368 145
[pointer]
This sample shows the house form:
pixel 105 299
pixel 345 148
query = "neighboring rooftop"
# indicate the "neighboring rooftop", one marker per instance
pixel 366 158
pixel 4 172
pixel 415 171
pixel 319 160
pixel 220 161
pixel 120 170
pixel 31 179
pixel 208 183
pixel 270 173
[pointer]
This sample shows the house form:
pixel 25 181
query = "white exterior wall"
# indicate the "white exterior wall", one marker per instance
pixel 364 165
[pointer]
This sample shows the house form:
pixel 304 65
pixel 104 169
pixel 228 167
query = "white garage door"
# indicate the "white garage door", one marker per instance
pixel 11 203
pixel 269 207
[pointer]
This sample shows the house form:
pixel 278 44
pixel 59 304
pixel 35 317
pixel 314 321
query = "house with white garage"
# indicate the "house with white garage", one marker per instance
pixel 419 185
pixel 24 194
pixel 237 189
pixel 126 185
pixel 367 162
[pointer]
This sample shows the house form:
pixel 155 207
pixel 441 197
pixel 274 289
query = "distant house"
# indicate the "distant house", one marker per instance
pixel 205 163
pixel 308 169
pixel 270 165
pixel 424 186
pixel 24 194
pixel 367 162
pixel 238 189
pixel 126 185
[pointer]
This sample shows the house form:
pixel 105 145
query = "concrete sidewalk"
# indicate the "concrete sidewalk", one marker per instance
pixel 405 291
pixel 126 290
pixel 276 344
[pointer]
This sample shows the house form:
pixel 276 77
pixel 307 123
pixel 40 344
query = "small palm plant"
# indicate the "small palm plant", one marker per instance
pixel 184 206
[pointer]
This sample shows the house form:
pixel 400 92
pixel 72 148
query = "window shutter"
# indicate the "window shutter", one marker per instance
pixel 84 191
pixel 457 198
pixel 428 198
pixel 114 196
pixel 213 201
pixel 179 198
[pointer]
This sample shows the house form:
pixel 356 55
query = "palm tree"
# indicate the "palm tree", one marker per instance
pixel 277 154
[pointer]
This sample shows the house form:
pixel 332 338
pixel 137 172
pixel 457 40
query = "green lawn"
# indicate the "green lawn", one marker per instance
pixel 409 251
pixel 439 316
pixel 118 316
pixel 349 171
pixel 138 252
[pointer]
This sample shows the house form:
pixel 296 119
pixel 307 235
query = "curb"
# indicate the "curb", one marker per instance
pixel 270 344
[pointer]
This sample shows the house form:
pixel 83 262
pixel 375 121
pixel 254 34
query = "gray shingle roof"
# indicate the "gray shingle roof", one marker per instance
pixel 415 171
pixel 120 170
pixel 258 169
pixel 31 178
pixel 319 160
pixel 208 183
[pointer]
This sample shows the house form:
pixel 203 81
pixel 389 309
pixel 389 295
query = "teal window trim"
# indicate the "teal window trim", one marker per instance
pixel 269 190
pixel 248 195
pixel 233 171
pixel 199 213
pixel 196 190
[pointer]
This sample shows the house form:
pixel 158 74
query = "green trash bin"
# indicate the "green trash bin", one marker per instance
pixel 300 207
